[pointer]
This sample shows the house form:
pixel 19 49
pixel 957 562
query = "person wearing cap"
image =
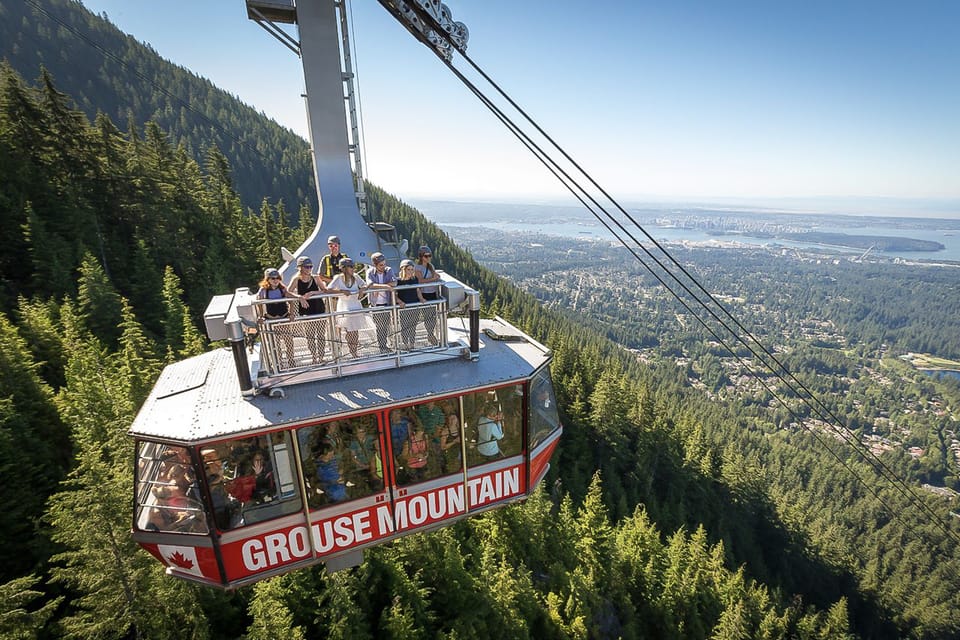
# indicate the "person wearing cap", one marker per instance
pixel 310 288
pixel 330 263
pixel 330 267
pixel 381 280
pixel 350 285
pixel 272 288
pixel 427 275
pixel 408 293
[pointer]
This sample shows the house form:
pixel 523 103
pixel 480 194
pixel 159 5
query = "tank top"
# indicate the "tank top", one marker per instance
pixel 315 306
pixel 408 296
pixel 276 309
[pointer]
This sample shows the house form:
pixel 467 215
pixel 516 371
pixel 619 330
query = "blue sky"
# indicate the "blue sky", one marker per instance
pixel 773 102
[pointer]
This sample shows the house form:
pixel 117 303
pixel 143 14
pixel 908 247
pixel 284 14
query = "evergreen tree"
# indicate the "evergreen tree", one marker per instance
pixel 120 589
pixel 99 301
pixel 181 337
pixel 34 454
pixel 271 616
pixel 21 618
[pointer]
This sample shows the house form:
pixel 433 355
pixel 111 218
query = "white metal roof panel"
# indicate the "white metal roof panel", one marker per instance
pixel 215 407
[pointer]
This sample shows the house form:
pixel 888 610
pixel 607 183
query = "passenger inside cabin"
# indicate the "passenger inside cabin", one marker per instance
pixel 174 466
pixel 364 454
pixel 450 440
pixel 399 429
pixel 264 487
pixel 416 454
pixel 252 476
pixel 176 510
pixel 431 416
pixel 543 413
pixel 329 474
pixel 226 509
pixel 332 432
pixel 490 431
pixel 176 496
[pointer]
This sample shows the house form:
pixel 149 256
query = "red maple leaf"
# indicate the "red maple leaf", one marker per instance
pixel 177 559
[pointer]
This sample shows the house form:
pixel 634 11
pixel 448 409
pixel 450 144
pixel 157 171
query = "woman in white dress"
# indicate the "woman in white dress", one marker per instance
pixel 350 285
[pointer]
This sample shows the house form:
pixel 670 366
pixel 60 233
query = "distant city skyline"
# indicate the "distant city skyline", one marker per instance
pixel 830 104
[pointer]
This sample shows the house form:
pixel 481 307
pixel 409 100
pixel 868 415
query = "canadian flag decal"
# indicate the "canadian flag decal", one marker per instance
pixel 180 558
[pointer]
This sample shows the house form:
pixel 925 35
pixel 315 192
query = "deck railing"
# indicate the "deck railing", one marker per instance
pixel 328 341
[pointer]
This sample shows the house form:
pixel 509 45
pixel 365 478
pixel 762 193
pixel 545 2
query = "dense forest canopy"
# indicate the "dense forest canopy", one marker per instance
pixel 668 515
pixel 106 71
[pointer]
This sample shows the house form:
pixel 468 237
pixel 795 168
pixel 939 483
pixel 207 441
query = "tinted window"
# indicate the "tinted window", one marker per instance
pixel 543 417
pixel 341 460
pixel 168 496
pixel 493 424
pixel 426 441
pixel 250 479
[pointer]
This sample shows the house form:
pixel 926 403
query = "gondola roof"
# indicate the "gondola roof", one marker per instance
pixel 198 399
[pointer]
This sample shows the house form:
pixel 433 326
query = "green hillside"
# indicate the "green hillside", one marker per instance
pixel 654 526
pixel 105 70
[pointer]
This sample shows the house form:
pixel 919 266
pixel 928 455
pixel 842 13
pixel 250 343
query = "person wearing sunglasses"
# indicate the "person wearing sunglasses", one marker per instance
pixel 310 288
pixel 408 293
pixel 427 275
pixel 272 288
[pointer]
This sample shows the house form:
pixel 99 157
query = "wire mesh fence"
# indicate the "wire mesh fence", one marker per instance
pixel 332 339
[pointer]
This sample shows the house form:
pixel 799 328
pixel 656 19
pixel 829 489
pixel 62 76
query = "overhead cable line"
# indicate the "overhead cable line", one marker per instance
pixel 793 384
pixel 573 187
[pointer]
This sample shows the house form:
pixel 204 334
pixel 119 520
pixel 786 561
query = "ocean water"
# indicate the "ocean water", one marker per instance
pixel 590 229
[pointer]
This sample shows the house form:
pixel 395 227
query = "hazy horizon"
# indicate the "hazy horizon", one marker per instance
pixel 920 208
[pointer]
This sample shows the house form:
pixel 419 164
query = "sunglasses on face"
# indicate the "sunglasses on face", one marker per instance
pixel 273 278
pixel 306 266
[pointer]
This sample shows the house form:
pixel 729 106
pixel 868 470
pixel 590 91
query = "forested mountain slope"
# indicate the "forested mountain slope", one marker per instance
pixel 89 339
pixel 676 536
pixel 105 70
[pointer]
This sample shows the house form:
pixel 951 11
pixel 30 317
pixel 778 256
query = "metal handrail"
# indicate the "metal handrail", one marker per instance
pixel 317 341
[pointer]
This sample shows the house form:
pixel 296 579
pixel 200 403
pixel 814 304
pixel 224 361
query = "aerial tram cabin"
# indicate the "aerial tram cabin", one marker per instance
pixel 293 447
